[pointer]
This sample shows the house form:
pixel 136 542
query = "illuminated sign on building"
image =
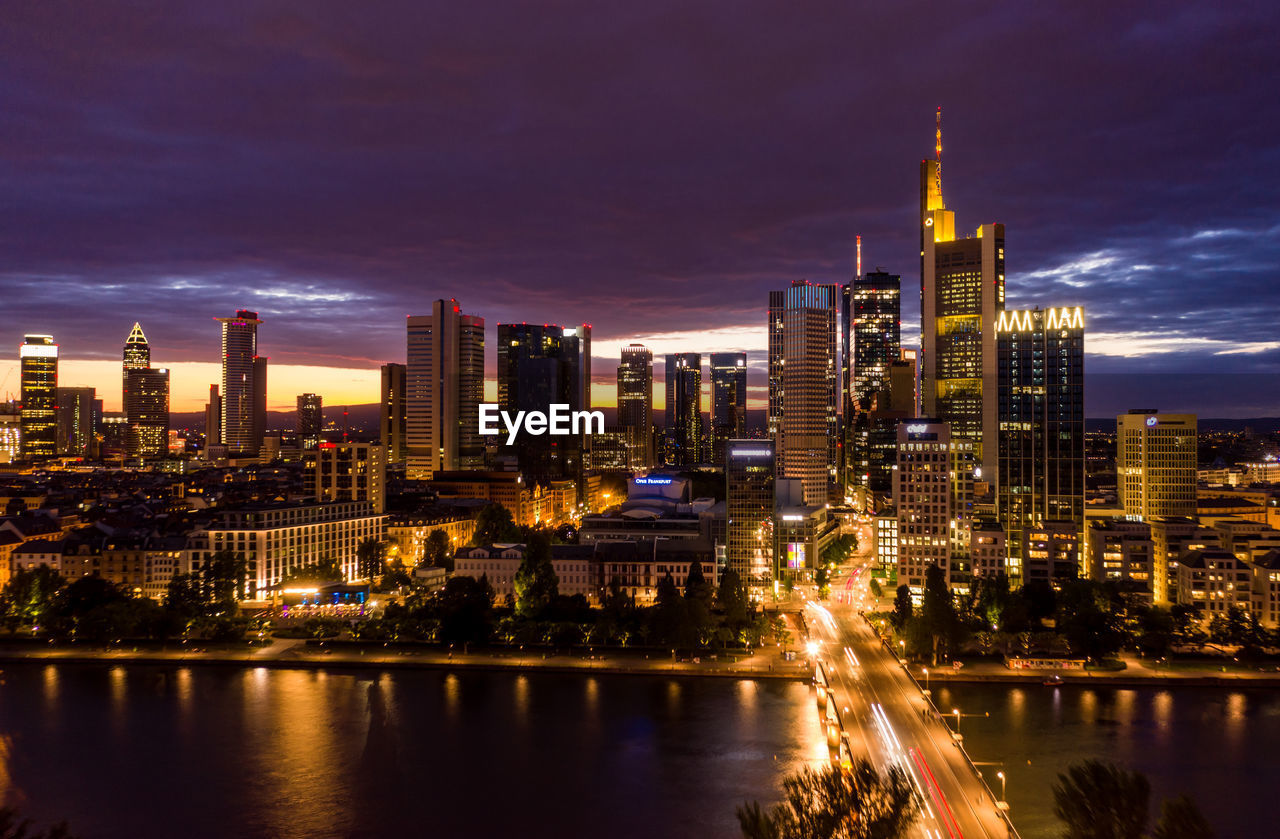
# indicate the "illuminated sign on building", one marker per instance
pixel 751 452
pixel 795 555
pixel 653 482
pixel 918 428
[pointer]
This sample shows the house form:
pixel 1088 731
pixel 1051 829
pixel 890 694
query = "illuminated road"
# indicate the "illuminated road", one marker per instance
pixel 887 720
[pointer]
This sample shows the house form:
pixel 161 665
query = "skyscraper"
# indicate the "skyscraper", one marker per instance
pixel 924 498
pixel 213 419
pixel 347 472
pixel 146 409
pixel 310 419
pixel 145 399
pixel 1156 463
pixel 684 408
pixel 750 470
pixel 728 401
pixel 635 404
pixel 1041 421
pixel 874 312
pixel 444 385
pixel 962 293
pixel 76 421
pixel 242 427
pixel 539 365
pixel 392 413
pixel 802 385
pixel 38 363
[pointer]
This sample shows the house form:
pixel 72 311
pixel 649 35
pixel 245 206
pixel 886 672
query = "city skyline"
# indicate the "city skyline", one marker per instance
pixel 679 184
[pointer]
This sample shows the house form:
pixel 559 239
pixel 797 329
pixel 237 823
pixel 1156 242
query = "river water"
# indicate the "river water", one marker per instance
pixel 1220 746
pixel 142 750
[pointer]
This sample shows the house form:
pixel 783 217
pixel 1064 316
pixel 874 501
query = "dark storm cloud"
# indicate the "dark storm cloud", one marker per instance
pixel 648 168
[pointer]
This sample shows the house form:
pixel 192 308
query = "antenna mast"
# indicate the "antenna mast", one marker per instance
pixel 858 275
pixel 937 152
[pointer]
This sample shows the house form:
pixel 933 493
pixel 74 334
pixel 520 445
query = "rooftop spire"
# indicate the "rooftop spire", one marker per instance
pixel 937 149
pixel 135 335
pixel 858 275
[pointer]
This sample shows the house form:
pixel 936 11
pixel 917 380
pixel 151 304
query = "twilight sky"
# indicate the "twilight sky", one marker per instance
pixel 650 168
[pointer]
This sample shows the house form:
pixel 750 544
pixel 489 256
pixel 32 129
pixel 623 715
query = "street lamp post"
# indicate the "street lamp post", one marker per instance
pixel 1000 775
pixel 956 711
pixel 926 679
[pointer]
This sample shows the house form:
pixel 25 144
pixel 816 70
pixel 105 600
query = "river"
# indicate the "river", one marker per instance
pixel 145 750
pixel 1218 745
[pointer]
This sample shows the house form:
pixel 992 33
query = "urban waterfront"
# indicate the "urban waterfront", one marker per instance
pixel 130 751
pixel 1216 744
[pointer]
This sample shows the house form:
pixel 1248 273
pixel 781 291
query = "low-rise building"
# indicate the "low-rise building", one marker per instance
pixel 406 534
pixel 988 548
pixel 1171 536
pixel 574 565
pixel 1051 552
pixel 1121 550
pixel 1214 580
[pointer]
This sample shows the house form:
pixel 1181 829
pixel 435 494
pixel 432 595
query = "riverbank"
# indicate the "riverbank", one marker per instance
pixel 1135 674
pixel 290 654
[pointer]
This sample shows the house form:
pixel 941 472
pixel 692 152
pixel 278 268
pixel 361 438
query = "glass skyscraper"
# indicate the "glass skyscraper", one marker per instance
pixel 38 362
pixel 728 401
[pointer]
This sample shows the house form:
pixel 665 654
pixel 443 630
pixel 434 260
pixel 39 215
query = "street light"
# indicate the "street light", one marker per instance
pixel 926 679
pixel 956 711
pixel 1000 775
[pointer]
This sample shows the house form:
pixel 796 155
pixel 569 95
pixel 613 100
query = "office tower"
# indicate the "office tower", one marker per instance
pixel 310 420
pixel 1051 552
pixel 875 307
pixel 750 469
pixel 1156 463
pixel 962 292
pixel 392 413
pixel 444 385
pixel 1121 550
pixel 213 419
pixel 684 408
pixel 241 426
pixel 259 399
pixel 38 367
pixel 802 385
pixel 10 431
pixel 539 365
pixel 910 356
pixel 347 472
pixel 933 497
pixel 877 454
pixel 728 401
pixel 1040 410
pixel 146 409
pixel 635 404
pixel 75 422
pixel 582 334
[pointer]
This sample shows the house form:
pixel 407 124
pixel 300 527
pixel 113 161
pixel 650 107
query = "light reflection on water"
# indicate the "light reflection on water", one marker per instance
pixel 1215 744
pixel 150 751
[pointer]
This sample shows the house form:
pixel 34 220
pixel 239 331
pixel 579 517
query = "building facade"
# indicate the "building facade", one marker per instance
pixel 310 420
pixel 728 401
pixel 635 404
pixel 684 408
pixel 750 478
pixel 1156 463
pixel 241 425
pixel 38 366
pixel 444 386
pixel 392 417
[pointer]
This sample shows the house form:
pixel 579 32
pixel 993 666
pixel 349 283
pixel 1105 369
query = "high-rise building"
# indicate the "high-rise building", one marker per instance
pixel 1040 405
pixel 874 315
pixel 310 419
pixel 582 333
pixel 347 472
pixel 750 469
pixel 539 365
pixel 241 426
pixel 728 401
pixel 635 404
pixel 146 409
pixel 802 385
pixel 38 363
pixel 1156 463
pixel 444 385
pixel 684 408
pixel 137 351
pixel 933 497
pixel 962 293
pixel 213 419
pixel 392 415
pixel 10 431
pixel 259 398
pixel 76 427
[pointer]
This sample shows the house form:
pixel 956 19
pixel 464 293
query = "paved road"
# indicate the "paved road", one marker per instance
pixel 888 720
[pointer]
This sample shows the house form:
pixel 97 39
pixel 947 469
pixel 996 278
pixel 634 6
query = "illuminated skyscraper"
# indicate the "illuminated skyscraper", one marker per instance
pixel 962 293
pixel 444 385
pixel 213 419
pixel 242 426
pixel 933 496
pixel 802 385
pixel 310 420
pixel 750 470
pixel 1156 463
pixel 392 416
pixel 728 401
pixel 1041 422
pixel 635 404
pixel 145 399
pixel 875 308
pixel 38 362
pixel 684 408
pixel 76 421
pixel 540 365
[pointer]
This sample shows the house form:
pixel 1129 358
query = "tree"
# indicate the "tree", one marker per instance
pixel 28 596
pixel 436 550
pixel 1098 800
pixel 536 582
pixel 731 597
pixel 901 608
pixel 822 579
pixel 938 612
pixel 832 803
pixel 494 525
pixel 370 560
pixel 185 597
pixel 1181 819
pixel 224 577
pixel 327 570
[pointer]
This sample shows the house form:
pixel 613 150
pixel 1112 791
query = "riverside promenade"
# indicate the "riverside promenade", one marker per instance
pixel 298 654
